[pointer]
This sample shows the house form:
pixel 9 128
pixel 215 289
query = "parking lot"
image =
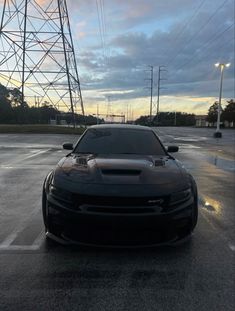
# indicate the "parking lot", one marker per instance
pixel 40 275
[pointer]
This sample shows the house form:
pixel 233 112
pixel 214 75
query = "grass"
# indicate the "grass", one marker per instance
pixel 39 129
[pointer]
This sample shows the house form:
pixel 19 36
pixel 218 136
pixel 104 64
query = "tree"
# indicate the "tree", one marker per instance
pixel 15 97
pixel 5 105
pixel 229 112
pixel 142 120
pixel 212 113
pixel 169 119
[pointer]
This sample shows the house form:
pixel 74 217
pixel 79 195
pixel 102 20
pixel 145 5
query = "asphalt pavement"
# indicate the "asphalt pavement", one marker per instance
pixel 39 275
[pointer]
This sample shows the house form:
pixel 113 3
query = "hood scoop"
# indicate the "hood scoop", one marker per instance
pixel 81 161
pixel 159 162
pixel 122 172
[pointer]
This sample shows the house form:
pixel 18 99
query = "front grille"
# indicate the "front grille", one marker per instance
pixel 119 210
pixel 120 201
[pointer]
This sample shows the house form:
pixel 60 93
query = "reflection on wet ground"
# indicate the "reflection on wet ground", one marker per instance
pixel 210 204
pixel 224 164
pixel 201 156
pixel 191 138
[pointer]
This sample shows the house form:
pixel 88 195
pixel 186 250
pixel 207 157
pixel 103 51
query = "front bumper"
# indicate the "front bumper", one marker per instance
pixel 106 228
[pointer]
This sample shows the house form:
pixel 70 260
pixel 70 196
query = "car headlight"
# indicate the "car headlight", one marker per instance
pixel 180 196
pixel 59 193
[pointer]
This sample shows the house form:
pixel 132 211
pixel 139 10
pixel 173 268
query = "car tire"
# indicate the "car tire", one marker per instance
pixel 49 226
pixel 45 213
pixel 195 212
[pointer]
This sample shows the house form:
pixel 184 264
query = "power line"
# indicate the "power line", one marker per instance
pixel 102 27
pixel 197 32
pixel 205 45
pixel 189 21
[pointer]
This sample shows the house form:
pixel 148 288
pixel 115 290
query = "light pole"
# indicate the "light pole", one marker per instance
pixel 217 133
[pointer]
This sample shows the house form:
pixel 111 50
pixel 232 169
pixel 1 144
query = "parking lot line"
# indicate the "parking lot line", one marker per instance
pixel 39 238
pixel 36 154
pixel 33 247
pixel 11 237
pixel 19 247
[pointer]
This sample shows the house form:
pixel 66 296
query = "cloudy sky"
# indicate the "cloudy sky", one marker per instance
pixel 117 40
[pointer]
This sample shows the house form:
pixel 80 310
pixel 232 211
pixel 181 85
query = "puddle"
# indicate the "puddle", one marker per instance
pixel 188 146
pixel 209 204
pixel 205 204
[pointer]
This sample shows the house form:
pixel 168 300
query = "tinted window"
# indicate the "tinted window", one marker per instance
pixel 120 141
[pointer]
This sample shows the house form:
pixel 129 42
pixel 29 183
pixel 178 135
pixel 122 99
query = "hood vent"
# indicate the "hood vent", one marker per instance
pixel 159 162
pixel 121 172
pixel 81 161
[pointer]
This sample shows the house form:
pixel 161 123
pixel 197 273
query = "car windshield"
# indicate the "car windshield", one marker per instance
pixel 120 141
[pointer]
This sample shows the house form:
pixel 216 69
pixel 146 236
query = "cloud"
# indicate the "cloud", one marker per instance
pixel 186 36
pixel 190 56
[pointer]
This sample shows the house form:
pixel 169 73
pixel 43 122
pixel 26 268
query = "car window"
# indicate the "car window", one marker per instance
pixel 120 141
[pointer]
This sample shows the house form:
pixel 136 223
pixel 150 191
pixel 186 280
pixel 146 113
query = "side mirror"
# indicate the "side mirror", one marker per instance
pixel 68 146
pixel 172 149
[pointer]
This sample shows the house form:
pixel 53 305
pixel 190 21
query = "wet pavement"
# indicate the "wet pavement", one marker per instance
pixel 39 275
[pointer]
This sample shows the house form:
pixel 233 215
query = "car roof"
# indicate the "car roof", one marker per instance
pixel 121 126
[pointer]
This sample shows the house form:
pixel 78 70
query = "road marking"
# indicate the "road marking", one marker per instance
pixel 35 246
pixel 39 239
pixel 19 247
pixel 35 154
pixel 11 237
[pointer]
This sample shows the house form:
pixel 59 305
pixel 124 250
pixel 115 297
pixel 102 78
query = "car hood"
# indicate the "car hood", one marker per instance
pixel 120 174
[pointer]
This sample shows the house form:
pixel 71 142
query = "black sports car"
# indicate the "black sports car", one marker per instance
pixel 119 186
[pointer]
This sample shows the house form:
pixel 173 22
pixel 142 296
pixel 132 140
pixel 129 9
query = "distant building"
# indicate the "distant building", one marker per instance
pixel 201 121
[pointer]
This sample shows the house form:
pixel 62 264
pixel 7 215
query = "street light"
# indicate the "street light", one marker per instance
pixel 218 134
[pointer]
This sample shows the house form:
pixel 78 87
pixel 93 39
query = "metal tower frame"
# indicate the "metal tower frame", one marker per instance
pixel 37 53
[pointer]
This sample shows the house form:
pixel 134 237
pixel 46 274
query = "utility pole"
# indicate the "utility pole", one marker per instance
pixel 160 70
pixel 97 114
pixel 108 106
pixel 34 34
pixel 218 134
pixel 151 93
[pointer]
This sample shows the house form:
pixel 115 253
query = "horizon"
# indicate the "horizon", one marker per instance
pixel 116 41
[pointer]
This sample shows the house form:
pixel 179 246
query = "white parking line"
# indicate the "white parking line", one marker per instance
pixel 9 165
pixel 5 246
pixel 36 154
pixel 38 241
pixel 11 237
pixel 19 247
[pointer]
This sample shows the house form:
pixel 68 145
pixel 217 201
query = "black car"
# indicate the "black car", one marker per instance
pixel 119 186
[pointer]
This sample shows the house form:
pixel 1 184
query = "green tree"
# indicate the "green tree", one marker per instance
pixel 6 113
pixel 228 113
pixel 212 113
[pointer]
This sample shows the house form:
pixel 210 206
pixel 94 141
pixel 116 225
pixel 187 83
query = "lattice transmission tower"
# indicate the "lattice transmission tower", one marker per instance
pixel 37 53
